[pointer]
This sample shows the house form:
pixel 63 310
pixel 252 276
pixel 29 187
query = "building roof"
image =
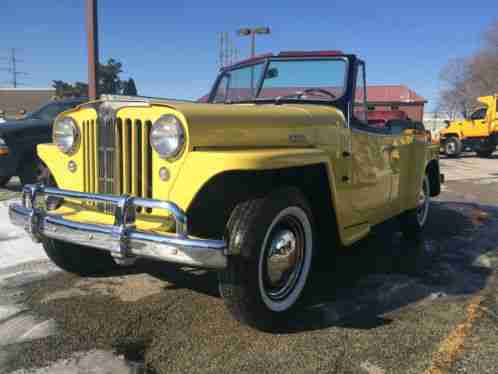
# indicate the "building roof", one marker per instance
pixel 20 89
pixel 393 94
pixel 12 100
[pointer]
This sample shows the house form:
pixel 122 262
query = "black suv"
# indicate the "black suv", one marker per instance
pixel 19 138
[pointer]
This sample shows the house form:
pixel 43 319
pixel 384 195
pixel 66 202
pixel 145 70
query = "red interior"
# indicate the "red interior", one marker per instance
pixel 379 118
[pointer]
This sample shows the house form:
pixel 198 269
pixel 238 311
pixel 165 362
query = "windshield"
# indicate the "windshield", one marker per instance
pixel 309 79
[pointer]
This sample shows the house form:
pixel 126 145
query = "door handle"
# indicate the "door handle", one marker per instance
pixel 390 148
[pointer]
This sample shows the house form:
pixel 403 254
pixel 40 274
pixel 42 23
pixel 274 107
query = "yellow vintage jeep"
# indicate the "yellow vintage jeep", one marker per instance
pixel 280 163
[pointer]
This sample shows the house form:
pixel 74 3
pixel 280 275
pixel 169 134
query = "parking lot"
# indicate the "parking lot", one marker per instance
pixel 384 306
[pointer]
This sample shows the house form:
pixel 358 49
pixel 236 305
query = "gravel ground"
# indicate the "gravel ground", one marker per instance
pixel 384 306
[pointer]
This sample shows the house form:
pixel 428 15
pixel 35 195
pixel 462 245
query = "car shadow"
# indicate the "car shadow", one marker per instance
pixel 468 155
pixel 358 287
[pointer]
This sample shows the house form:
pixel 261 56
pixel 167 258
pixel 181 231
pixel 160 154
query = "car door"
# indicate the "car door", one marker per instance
pixel 479 123
pixel 373 173
pixel 407 160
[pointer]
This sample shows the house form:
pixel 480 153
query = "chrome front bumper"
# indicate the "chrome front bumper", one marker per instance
pixel 121 239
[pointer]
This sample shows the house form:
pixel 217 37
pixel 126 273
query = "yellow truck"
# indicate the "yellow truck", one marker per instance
pixel 279 166
pixel 477 133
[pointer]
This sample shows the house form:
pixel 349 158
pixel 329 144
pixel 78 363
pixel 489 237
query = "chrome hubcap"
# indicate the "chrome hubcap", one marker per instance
pixel 284 258
pixel 450 147
pixel 423 203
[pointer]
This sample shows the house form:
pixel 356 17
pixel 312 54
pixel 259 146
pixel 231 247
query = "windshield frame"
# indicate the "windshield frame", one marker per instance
pixel 266 61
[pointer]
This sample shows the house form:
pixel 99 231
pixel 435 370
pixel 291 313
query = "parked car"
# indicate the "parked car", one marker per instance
pixel 477 133
pixel 279 166
pixel 19 138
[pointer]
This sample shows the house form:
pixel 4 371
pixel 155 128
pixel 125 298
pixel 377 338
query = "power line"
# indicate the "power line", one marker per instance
pixel 13 62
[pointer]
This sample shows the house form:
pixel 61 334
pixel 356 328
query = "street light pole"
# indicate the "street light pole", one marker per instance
pixel 253 44
pixel 247 31
pixel 93 48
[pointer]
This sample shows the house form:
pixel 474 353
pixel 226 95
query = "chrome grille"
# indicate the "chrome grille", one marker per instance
pixel 118 158
pixel 108 170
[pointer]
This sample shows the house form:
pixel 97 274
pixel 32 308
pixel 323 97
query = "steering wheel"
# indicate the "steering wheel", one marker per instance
pixel 319 90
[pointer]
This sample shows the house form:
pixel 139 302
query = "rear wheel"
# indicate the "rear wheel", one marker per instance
pixel 413 221
pixel 273 242
pixel 452 147
pixel 485 153
pixel 77 259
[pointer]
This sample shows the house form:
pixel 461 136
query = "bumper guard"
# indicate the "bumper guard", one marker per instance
pixel 121 239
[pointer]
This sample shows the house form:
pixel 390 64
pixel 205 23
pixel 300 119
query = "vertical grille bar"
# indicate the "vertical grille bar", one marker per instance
pixel 125 155
pixel 146 161
pixel 134 159
pixel 94 156
pixel 118 161
pixel 86 159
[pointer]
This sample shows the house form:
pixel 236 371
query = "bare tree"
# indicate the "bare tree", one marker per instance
pixel 491 36
pixel 465 79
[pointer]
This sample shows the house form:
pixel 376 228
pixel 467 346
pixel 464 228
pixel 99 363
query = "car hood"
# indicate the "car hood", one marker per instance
pixel 256 125
pixel 12 127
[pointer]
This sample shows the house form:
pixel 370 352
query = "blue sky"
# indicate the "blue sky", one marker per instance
pixel 171 47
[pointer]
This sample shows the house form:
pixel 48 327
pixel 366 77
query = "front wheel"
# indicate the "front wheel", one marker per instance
pixel 452 147
pixel 77 259
pixel 4 181
pixel 413 221
pixel 272 243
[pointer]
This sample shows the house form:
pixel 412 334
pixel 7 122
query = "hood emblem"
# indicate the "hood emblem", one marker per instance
pixel 297 138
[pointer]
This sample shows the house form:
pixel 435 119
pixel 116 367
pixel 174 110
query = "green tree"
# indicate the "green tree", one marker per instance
pixel 109 82
pixel 108 74
pixel 130 89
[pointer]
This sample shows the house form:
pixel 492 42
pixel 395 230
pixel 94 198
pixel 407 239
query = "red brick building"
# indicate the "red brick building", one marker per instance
pixel 12 100
pixel 396 97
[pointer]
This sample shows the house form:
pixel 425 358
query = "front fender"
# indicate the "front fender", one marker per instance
pixel 201 166
pixel 57 162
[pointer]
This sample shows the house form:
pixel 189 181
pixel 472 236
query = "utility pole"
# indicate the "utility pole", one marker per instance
pixel 247 31
pixel 93 48
pixel 228 52
pixel 12 68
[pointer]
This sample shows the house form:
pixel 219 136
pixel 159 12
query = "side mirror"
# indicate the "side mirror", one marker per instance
pixel 272 73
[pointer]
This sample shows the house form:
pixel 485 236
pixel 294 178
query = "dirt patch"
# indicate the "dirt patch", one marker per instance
pixel 129 288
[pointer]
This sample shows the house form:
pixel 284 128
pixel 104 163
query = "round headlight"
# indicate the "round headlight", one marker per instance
pixel 167 136
pixel 65 134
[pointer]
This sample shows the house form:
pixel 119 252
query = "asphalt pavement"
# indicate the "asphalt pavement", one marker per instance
pixel 385 305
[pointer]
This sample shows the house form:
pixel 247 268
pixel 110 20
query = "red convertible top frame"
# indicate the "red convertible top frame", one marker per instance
pixel 285 54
